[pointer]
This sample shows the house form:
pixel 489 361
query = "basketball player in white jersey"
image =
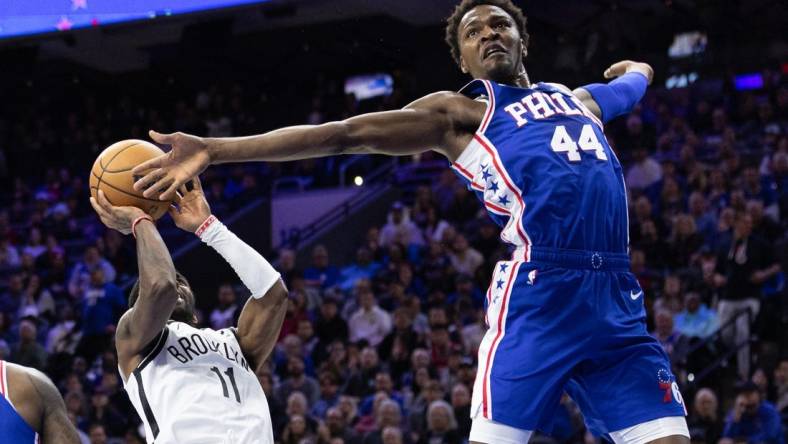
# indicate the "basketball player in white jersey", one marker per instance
pixel 194 385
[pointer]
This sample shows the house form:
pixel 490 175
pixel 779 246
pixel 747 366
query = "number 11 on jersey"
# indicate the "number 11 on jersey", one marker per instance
pixel 231 377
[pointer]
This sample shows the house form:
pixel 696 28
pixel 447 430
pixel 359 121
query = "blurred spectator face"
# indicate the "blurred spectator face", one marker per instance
pixel 305 330
pixel 751 177
pixel 697 203
pixel 320 257
pixel 363 256
pixel 296 404
pixel 92 255
pixel 366 300
pixel 389 414
pixel 99 399
pixel 287 259
pixel 638 259
pixel 383 382
pixel 781 374
pixel 27 331
pixel 396 214
pixel 97 277
pixel 749 402
pixel 634 124
pixel 226 295
pixel 328 386
pixel 692 302
pixel 460 396
pixel 433 391
pixel 328 310
pixel 73 402
pixel 361 286
pixel 664 323
pixel 685 226
pixel 738 202
pixel 439 337
pixel 292 345
pixel 401 319
pixel 347 405
pixel 760 379
pixel 109 382
pixel 642 208
pixel 15 284
pixel 672 286
pixel 266 382
pixel 460 244
pixel 297 425
pixel 335 421
pixel 439 418
pixel 755 210
pixel 706 403
pixel 405 273
pixel 295 367
pixel 743 225
pixel 437 316
pixel 97 434
pixel 421 358
pixel 392 435
pixel 718 119
pixel 369 358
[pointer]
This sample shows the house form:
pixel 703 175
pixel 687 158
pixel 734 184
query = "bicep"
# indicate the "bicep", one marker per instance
pixel 260 322
pixel 588 100
pixel 143 322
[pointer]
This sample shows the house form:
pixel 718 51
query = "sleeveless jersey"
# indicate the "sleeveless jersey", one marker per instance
pixel 13 429
pixel 541 165
pixel 195 386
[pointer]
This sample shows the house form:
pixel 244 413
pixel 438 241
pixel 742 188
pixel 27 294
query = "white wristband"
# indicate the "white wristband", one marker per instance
pixel 255 272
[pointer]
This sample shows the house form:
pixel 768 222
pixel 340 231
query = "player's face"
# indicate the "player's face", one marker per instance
pixel 490 44
pixel 184 307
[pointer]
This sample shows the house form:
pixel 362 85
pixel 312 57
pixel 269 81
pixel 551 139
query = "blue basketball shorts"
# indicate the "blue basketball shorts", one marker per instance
pixel 570 321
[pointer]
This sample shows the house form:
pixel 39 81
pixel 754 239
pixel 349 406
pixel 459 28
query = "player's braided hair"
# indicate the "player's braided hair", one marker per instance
pixel 453 22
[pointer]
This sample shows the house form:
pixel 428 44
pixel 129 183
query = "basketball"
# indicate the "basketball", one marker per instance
pixel 111 173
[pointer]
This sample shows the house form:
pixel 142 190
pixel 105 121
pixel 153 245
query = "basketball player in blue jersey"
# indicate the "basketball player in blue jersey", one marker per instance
pixel 31 409
pixel 565 313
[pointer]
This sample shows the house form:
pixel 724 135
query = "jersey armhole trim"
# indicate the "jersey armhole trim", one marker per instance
pixel 159 342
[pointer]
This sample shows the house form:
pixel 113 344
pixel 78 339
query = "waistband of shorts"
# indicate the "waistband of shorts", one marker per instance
pixel 581 259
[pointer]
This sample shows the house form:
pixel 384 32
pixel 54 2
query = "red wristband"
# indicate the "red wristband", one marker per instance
pixel 136 221
pixel 204 226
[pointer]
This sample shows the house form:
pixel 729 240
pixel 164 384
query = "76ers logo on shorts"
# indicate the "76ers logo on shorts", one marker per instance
pixel 669 386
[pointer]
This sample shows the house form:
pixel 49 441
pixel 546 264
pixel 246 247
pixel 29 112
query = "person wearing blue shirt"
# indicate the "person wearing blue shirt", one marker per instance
pixel 363 268
pixel 321 274
pixel 696 320
pixel 753 419
pixel 102 305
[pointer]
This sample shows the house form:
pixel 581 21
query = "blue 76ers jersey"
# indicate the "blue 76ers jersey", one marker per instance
pixel 541 165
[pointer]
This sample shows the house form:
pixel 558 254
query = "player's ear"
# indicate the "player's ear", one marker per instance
pixel 524 47
pixel 462 66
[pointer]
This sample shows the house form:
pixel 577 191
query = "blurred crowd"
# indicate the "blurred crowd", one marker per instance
pixel 383 349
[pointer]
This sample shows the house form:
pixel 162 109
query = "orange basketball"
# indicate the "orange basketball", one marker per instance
pixel 111 173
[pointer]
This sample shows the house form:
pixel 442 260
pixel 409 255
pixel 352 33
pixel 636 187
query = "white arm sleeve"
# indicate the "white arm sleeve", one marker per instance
pixel 255 272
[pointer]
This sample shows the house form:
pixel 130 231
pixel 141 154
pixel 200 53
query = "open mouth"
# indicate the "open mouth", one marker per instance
pixel 492 50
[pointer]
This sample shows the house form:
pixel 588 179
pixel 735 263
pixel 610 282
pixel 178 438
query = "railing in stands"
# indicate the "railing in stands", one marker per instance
pixel 724 354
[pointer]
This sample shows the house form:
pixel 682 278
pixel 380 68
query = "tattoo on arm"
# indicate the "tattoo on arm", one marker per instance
pixel 55 426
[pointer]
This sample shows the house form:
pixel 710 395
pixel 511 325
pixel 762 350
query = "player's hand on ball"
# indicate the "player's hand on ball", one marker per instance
pixel 192 208
pixel 625 66
pixel 117 218
pixel 165 174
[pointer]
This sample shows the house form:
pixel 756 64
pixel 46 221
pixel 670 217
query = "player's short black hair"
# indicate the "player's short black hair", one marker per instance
pixel 135 289
pixel 453 22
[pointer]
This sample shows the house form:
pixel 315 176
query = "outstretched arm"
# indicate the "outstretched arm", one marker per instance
pixel 438 121
pixel 157 284
pixel 619 96
pixel 262 316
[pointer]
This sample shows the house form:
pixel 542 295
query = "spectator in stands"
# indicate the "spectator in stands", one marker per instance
pixel 441 425
pixel 37 300
pixel 383 384
pixel 360 384
pixel 369 322
pixel 102 305
pixel 11 300
pixel 705 220
pixel 403 331
pixel 297 431
pixel 80 277
pixel 464 258
pixel 644 172
pixel 746 263
pixel 753 419
pixel 9 256
pixel 673 342
pixel 418 412
pixel 227 310
pixel 400 228
pixel 29 352
pixel 97 434
pixel 393 435
pixel 703 422
pixel 461 403
pixel 387 414
pixel 781 387
pixel 338 427
pixel 363 268
pixel 321 274
pixel 329 394
pixel 297 380
pixel 670 299
pixel 696 320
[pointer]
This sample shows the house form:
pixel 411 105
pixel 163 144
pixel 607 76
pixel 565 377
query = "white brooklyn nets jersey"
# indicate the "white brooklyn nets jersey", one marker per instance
pixel 196 387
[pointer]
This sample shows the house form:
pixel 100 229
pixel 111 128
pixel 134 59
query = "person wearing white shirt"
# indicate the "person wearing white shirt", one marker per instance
pixel 369 322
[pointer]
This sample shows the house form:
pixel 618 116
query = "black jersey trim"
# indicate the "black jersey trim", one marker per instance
pixel 154 426
pixel 157 343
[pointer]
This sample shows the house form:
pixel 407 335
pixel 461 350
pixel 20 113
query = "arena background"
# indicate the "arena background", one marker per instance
pixel 708 144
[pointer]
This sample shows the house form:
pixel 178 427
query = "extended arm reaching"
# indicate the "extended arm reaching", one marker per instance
pixel 262 316
pixel 619 96
pixel 441 121
pixel 157 284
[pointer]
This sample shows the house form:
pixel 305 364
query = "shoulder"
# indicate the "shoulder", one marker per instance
pixel 443 101
pixel 33 392
pixel 561 87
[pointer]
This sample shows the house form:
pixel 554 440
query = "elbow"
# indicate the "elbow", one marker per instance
pixel 163 288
